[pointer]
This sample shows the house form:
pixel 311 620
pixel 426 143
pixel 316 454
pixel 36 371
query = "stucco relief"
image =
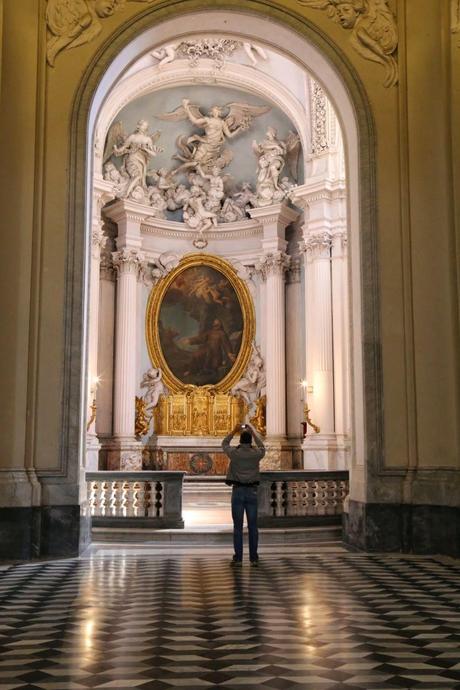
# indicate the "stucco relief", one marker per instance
pixel 374 34
pixel 73 23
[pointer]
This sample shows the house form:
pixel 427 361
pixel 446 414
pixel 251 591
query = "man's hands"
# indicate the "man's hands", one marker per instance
pixel 241 427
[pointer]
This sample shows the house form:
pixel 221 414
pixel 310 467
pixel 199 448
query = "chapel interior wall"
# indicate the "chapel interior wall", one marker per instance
pixel 418 303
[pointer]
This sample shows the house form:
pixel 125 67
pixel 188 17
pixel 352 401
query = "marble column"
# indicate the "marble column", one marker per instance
pixel 102 194
pixel 326 332
pixel 128 454
pixel 273 265
pixel 294 351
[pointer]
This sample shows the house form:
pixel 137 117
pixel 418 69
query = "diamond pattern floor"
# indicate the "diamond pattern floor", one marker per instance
pixel 317 621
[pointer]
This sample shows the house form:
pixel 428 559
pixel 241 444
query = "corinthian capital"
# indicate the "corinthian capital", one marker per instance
pixel 275 263
pixel 98 241
pixel 128 261
pixel 318 245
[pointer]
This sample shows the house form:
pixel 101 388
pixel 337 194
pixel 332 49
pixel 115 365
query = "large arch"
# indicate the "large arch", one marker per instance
pixel 305 44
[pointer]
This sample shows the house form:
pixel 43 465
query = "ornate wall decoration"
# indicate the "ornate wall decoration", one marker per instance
pixel 214 48
pixel 200 325
pixel 318 106
pixel 374 33
pixel 72 23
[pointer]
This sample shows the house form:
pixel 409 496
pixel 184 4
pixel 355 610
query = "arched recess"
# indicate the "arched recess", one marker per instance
pixel 304 43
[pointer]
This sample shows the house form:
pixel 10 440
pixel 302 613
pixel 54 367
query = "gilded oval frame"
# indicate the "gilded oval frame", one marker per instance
pixel 155 301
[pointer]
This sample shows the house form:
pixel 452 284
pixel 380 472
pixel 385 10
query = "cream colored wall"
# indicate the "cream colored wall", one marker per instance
pixel 415 230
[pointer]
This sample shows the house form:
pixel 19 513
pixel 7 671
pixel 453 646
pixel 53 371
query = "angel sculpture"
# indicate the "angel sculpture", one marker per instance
pixel 153 381
pixel 73 23
pixel 254 382
pixel 273 154
pixel 207 150
pixel 197 217
pixel 374 34
pixel 136 149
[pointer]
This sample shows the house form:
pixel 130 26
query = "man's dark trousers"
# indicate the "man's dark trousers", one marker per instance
pixel 244 498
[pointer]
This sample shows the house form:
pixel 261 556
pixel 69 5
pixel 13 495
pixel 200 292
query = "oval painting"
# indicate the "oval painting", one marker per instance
pixel 200 326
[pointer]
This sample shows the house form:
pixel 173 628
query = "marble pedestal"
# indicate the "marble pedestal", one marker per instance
pixel 325 452
pixel 124 454
pixel 92 453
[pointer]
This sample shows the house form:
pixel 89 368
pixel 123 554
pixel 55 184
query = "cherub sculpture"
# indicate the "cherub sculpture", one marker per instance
pixel 273 154
pixel 207 150
pixel 374 33
pixel 136 150
pixel 72 23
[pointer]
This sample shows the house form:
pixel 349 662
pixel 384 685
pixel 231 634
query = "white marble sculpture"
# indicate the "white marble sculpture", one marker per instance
pixel 153 382
pixel 207 150
pixel 136 150
pixel 272 156
pixel 197 217
pixel 253 384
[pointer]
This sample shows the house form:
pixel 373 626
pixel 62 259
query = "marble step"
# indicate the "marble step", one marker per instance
pixel 217 535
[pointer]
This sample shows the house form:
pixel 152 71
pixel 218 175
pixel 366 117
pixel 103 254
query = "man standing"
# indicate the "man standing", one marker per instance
pixel 243 475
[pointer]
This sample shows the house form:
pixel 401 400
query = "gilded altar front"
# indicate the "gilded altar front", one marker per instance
pixel 198 412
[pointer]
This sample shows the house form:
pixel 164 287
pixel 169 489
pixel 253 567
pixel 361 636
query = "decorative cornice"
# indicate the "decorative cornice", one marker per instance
pixel 72 24
pixel 374 33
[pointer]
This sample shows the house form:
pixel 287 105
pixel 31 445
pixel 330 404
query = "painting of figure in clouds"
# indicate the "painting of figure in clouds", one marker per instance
pixel 200 325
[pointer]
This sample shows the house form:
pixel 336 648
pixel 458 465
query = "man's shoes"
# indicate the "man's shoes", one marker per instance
pixel 236 563
pixel 255 563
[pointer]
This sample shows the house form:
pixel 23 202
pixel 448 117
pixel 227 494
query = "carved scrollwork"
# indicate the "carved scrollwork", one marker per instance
pixel 374 33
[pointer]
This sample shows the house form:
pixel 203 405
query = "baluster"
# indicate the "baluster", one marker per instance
pixel 129 498
pixel 159 498
pixel 141 499
pixel 331 497
pixel 151 507
pixel 273 498
pixel 291 498
pixel 321 497
pixel 302 504
pixel 280 499
pixel 117 499
pixel 99 499
pixel 310 497
pixel 92 496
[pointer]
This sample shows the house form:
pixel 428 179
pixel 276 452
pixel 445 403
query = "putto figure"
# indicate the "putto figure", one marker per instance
pixel 207 150
pixel 136 150
pixel 73 23
pixel 374 33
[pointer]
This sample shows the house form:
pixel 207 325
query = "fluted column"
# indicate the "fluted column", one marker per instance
pixel 320 374
pixel 274 266
pixel 341 329
pixel 127 262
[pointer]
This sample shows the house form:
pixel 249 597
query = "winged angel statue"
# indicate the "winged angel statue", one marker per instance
pixel 72 23
pixel 374 34
pixel 207 150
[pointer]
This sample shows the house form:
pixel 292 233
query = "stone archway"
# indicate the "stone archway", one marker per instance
pixel 339 81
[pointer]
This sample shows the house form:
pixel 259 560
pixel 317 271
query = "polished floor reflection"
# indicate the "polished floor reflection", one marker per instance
pixel 313 620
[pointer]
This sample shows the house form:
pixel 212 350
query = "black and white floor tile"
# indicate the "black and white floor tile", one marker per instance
pixel 317 621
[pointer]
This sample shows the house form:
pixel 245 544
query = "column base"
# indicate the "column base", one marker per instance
pixel 92 453
pixel 398 527
pixel 325 452
pixel 43 531
pixel 125 455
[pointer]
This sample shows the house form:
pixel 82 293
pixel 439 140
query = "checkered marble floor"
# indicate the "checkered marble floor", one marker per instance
pixel 314 621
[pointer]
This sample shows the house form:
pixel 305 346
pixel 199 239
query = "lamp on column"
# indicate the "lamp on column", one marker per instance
pixel 93 407
pixel 305 389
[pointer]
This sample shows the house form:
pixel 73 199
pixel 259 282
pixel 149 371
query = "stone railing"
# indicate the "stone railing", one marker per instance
pixel 154 499
pixel 137 499
pixel 301 497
